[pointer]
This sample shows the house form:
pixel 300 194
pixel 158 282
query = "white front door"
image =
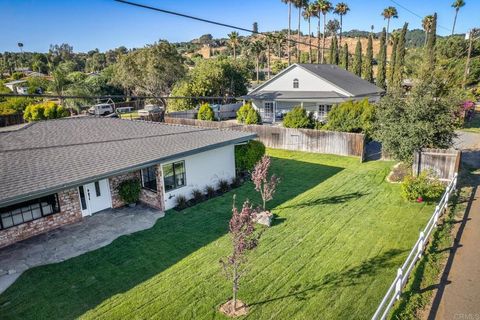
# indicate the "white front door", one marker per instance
pixel 94 197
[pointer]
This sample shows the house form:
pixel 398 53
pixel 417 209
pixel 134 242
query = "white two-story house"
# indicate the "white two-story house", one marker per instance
pixel 316 87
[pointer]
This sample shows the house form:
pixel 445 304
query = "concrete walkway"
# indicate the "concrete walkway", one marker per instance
pixel 73 240
pixel 458 294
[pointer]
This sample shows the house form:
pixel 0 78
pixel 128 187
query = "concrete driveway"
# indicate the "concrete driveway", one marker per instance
pixel 73 240
pixel 467 140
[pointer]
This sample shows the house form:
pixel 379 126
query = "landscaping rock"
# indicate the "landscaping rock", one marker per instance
pixel 11 271
pixel 264 217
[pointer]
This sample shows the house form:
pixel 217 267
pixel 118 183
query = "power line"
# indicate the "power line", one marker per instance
pixel 208 21
pixel 119 96
pixel 416 14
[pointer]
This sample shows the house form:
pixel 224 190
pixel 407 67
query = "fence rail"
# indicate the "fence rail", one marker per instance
pixel 395 289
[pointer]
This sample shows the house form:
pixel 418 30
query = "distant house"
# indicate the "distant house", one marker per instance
pixel 316 87
pixel 17 86
pixel 56 172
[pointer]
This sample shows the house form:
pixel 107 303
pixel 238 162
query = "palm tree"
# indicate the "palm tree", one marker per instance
pixel 341 9
pixel 280 40
pixel 289 2
pixel 457 5
pixel 325 7
pixel 256 48
pixel 300 4
pixel 427 25
pixel 233 36
pixel 318 13
pixel 269 42
pixel 308 13
pixel 389 13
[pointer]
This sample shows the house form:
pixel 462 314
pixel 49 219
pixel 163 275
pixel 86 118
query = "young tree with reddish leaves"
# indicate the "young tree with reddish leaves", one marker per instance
pixel 263 183
pixel 244 238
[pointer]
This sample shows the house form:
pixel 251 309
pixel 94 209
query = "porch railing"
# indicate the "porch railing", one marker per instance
pixel 395 289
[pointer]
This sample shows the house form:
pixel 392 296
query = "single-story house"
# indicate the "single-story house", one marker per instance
pixel 316 87
pixel 17 86
pixel 56 172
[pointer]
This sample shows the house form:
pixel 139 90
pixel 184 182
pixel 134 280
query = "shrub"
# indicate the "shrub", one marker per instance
pixel 351 116
pixel 206 113
pixel 210 192
pixel 236 182
pixel 298 118
pixel 248 115
pixel 247 155
pixel 129 190
pixel 181 202
pixel 197 195
pixel 223 185
pixel 422 187
pixel 44 111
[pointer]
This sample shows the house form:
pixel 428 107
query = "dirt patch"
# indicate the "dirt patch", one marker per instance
pixel 228 309
pixel 399 172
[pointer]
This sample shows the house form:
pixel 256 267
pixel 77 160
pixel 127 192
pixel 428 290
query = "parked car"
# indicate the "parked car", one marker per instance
pixel 101 109
pixel 150 110
pixel 124 110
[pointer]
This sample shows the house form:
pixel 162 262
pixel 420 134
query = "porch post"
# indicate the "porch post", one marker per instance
pixel 274 110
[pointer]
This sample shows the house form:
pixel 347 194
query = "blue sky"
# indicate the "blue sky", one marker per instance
pixel 106 24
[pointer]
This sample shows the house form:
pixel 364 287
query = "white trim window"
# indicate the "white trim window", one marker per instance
pixel 149 178
pixel 296 83
pixel 174 175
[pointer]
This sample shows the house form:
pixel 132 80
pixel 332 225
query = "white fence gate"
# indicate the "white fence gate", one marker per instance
pixel 393 293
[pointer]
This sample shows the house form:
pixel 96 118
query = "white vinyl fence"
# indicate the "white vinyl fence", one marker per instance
pixel 393 293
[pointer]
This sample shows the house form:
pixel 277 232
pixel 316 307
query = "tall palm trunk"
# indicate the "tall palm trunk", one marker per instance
pixel 388 27
pixel 323 41
pixel 298 33
pixel 234 52
pixel 310 40
pixel 341 26
pixel 289 32
pixel 426 38
pixel 268 60
pixel 455 21
pixel 318 38
pixel 258 67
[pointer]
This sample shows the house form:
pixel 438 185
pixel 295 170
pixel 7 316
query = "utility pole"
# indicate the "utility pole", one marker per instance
pixel 471 36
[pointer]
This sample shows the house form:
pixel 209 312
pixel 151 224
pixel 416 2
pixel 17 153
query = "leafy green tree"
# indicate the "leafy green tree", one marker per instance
pixel 423 119
pixel 345 56
pixel 152 70
pixel 217 77
pixel 357 59
pixel 400 58
pixel 248 115
pixel 393 60
pixel 205 112
pixel 368 67
pixel 382 62
pixel 298 118
pixel 334 56
pixel 351 116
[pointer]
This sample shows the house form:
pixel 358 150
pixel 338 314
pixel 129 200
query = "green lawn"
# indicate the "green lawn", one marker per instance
pixel 340 235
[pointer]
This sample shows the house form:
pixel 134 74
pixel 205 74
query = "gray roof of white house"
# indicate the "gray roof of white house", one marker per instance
pixel 48 156
pixel 327 96
pixel 334 74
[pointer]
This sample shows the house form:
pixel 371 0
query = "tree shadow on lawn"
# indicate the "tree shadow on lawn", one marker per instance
pixel 346 278
pixel 328 200
pixel 68 289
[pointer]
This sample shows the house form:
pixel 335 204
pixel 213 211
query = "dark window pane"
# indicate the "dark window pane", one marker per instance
pixel 97 188
pixel 149 178
pixel 82 198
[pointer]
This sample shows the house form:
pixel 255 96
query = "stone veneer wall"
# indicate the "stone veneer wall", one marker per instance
pixel 70 212
pixel 151 198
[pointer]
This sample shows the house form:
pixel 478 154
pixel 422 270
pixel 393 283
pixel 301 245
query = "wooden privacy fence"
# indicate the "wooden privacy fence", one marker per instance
pixel 332 142
pixel 443 162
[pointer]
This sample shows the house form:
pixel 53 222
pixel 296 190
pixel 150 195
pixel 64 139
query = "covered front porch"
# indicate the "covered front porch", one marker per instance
pixel 69 241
